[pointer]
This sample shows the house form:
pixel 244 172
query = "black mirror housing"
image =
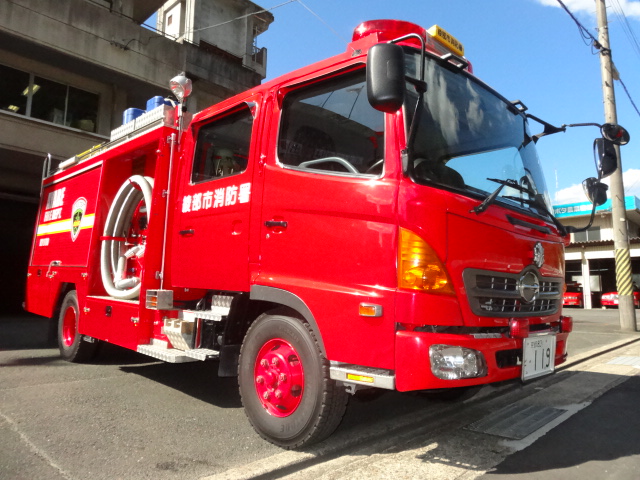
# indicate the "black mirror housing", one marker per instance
pixel 616 134
pixel 595 191
pixel 385 77
pixel 607 162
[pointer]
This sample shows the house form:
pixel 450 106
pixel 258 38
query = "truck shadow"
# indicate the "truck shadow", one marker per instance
pixel 604 435
pixel 23 331
pixel 196 379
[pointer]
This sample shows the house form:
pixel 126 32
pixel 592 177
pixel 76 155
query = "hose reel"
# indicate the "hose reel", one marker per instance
pixel 124 240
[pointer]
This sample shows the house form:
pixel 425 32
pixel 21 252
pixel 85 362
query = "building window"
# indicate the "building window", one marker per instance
pixel 13 86
pixel 37 97
pixel 591 235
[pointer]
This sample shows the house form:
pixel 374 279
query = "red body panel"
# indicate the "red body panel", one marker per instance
pixel 65 229
pixel 218 213
pixel 76 261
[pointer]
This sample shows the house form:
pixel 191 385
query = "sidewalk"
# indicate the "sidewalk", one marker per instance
pixel 601 441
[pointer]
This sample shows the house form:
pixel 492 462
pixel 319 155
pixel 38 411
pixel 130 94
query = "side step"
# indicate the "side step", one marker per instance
pixel 183 331
pixel 360 375
pixel 161 351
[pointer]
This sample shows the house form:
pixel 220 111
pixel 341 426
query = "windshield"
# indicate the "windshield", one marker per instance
pixel 471 140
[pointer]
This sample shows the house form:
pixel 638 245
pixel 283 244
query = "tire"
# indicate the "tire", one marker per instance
pixel 72 346
pixel 284 382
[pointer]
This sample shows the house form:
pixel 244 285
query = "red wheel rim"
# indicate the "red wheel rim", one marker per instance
pixel 279 377
pixel 69 326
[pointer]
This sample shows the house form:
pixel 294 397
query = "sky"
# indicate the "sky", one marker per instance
pixel 528 50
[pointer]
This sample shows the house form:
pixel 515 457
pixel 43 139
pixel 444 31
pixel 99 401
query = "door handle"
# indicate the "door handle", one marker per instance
pixel 275 223
pixel 187 232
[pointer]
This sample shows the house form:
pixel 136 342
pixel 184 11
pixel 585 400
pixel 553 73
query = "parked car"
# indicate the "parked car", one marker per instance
pixel 573 296
pixel 610 299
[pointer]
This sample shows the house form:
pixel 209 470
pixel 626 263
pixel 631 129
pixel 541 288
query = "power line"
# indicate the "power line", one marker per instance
pixel 240 17
pixel 584 32
pixel 267 10
pixel 629 95
pixel 325 23
pixel 604 51
pixel 626 27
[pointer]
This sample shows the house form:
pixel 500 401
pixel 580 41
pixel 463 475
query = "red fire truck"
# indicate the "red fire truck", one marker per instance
pixel 376 220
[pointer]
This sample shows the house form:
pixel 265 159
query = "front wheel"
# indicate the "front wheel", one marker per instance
pixel 72 346
pixel 284 383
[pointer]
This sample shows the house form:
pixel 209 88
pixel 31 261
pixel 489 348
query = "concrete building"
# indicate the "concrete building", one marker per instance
pixel 69 69
pixel 590 255
pixel 228 28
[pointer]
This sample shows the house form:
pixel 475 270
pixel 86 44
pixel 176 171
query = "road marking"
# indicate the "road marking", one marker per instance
pixel 39 452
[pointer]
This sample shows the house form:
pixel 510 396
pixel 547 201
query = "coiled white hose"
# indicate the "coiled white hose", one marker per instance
pixel 112 253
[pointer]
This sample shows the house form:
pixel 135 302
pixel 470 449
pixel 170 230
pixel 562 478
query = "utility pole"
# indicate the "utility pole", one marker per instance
pixel 624 279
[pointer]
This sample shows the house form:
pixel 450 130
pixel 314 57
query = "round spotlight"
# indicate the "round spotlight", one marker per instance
pixel 181 87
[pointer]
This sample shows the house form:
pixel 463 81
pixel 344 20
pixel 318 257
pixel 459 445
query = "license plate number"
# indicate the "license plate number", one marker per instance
pixel 538 356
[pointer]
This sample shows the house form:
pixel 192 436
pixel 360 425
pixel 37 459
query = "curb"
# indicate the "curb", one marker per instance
pixel 596 352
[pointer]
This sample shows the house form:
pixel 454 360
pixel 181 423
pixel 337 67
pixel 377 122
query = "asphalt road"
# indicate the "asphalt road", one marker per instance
pixel 128 417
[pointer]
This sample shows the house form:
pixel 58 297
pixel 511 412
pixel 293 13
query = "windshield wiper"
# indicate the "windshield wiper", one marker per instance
pixel 535 201
pixel 539 203
pixel 491 198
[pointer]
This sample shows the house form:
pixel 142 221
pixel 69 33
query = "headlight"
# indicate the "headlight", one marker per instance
pixel 449 362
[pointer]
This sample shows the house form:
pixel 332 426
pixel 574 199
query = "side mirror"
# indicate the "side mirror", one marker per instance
pixel 385 77
pixel 607 160
pixel 595 191
pixel 615 133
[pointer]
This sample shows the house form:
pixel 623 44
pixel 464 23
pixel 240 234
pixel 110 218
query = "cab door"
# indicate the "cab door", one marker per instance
pixel 211 235
pixel 328 221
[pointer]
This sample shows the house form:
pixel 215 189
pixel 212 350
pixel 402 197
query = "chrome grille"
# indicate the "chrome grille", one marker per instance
pixel 497 294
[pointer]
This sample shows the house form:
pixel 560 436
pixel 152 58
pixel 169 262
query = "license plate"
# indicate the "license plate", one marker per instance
pixel 538 356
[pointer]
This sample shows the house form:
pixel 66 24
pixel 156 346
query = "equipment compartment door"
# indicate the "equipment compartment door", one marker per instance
pixel 211 237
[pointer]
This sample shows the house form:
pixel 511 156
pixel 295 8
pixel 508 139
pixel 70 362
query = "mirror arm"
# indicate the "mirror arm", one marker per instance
pixel 610 131
pixel 583 125
pixel 570 229
pixel 420 85
pixel 562 229
pixel 548 128
pixel 422 50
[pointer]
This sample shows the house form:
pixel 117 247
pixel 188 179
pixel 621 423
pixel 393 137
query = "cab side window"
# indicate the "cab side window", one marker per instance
pixel 330 127
pixel 222 147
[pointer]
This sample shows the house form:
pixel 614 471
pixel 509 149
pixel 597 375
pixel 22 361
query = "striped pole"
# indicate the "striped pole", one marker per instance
pixel 626 308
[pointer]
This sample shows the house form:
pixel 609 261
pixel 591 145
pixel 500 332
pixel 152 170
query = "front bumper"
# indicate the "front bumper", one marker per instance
pixel 503 356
